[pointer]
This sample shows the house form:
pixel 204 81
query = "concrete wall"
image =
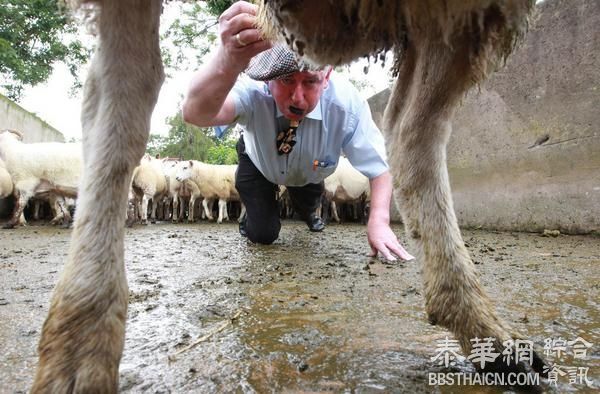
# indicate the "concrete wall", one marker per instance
pixel 502 177
pixel 34 129
pixel 13 116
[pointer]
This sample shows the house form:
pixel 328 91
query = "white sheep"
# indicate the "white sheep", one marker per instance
pixel 345 186
pixel 7 187
pixel 39 169
pixel 180 191
pixel 6 183
pixel 214 182
pixel 149 183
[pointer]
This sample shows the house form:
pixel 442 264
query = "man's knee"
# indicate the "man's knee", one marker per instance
pixel 265 235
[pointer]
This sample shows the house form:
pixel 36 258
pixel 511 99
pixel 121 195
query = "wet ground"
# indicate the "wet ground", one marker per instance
pixel 311 313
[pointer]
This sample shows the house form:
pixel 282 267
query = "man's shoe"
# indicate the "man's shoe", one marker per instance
pixel 315 223
pixel 243 228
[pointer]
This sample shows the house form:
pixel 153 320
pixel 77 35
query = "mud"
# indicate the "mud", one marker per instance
pixel 312 312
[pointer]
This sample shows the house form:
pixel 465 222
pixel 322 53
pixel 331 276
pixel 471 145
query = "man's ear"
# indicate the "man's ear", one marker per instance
pixel 328 73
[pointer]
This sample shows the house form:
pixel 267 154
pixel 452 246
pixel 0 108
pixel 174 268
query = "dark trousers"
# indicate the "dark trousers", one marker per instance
pixel 260 198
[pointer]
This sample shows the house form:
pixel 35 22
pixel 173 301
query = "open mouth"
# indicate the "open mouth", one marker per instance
pixel 296 110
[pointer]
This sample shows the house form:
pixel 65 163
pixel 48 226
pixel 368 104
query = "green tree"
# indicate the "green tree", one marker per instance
pixel 33 35
pixel 184 141
pixel 192 33
pixel 223 153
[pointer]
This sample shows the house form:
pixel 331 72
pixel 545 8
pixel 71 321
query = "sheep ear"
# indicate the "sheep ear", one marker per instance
pixel 157 156
pixel 191 164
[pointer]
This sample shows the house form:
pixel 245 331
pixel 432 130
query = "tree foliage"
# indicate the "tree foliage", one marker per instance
pixel 33 35
pixel 192 33
pixel 188 142
pixel 223 153
pixel 184 141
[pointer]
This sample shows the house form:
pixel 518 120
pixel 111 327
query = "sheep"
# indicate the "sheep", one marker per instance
pixel 7 187
pixel 177 191
pixel 213 181
pixel 442 48
pixel 39 169
pixel 6 183
pixel 180 190
pixel 149 182
pixel 345 185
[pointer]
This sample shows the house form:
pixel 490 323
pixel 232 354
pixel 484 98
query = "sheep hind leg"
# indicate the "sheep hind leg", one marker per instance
pixel 208 207
pixel 83 335
pixel 18 217
pixel 419 113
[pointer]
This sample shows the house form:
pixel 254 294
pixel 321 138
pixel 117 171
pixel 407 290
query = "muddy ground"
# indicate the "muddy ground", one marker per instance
pixel 314 313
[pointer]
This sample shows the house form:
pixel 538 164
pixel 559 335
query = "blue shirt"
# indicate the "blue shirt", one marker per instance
pixel 341 122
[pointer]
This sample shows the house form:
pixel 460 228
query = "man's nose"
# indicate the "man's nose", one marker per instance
pixel 298 93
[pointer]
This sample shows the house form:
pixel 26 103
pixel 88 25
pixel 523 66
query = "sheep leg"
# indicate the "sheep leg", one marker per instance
pixel 55 203
pixel 144 208
pixel 155 203
pixel 175 213
pixel 222 210
pixel 208 205
pixel 242 212
pixel 36 208
pixel 334 211
pixel 17 217
pixel 82 338
pixel 182 202
pixel 191 213
pixel 419 114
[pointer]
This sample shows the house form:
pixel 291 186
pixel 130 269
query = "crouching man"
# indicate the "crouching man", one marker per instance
pixel 296 122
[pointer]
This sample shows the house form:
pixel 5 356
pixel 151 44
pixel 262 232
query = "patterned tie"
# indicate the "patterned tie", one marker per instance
pixel 286 139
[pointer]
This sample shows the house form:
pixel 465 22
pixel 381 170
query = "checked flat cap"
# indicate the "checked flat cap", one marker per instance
pixel 276 63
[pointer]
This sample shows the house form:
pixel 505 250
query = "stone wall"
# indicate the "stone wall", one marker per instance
pixel 525 150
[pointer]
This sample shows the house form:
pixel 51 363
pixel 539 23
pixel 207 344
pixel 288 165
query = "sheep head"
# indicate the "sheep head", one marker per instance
pixel 15 133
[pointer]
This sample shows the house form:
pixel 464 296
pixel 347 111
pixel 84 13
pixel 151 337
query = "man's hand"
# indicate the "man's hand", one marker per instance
pixel 381 237
pixel 383 240
pixel 240 39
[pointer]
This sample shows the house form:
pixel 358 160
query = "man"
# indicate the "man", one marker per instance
pixel 296 122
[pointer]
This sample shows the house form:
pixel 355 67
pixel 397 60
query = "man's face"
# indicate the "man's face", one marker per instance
pixel 298 94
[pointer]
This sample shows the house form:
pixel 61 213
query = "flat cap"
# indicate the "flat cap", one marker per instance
pixel 276 63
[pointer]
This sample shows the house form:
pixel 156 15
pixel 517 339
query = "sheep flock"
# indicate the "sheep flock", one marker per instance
pixel 42 179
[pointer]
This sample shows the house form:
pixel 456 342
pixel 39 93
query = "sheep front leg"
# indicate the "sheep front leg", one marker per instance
pixel 418 117
pixel 83 335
